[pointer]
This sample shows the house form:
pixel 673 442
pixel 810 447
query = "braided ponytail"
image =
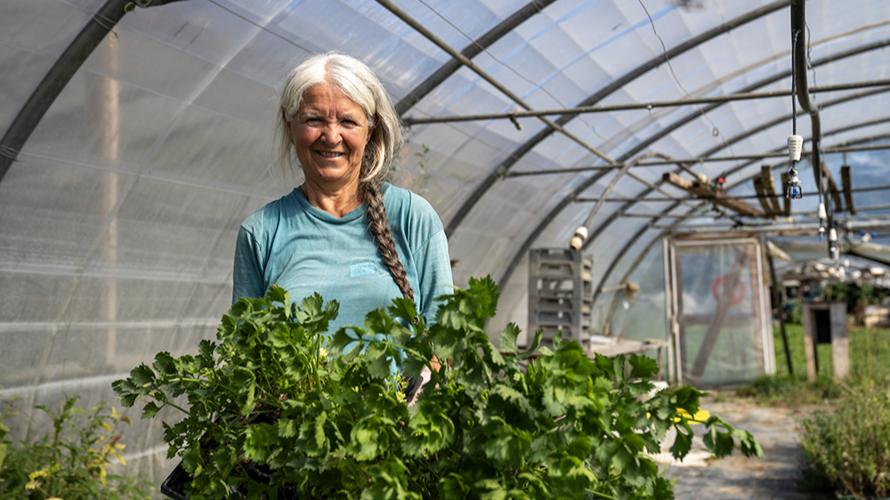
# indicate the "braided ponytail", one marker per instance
pixel 378 224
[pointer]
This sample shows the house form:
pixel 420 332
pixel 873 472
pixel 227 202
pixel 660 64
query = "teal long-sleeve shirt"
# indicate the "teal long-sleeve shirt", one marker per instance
pixel 305 250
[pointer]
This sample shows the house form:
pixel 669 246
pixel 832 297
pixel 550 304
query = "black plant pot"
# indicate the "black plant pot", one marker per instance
pixel 174 486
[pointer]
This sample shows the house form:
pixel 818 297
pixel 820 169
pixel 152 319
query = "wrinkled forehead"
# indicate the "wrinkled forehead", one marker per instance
pixel 345 91
pixel 329 100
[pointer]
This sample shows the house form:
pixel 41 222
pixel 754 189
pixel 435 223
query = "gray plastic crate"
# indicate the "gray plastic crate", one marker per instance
pixel 560 293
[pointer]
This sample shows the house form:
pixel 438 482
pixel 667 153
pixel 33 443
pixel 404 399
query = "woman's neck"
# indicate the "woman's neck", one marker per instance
pixel 336 202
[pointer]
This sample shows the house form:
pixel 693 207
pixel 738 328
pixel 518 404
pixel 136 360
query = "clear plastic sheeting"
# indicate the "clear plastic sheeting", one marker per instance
pixel 637 315
pixel 33 33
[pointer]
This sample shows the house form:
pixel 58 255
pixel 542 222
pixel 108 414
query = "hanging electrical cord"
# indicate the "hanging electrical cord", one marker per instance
pixel 795 142
pixel 795 145
pixel 832 233
pixel 715 131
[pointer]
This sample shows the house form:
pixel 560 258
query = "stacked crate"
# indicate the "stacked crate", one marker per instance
pixel 560 293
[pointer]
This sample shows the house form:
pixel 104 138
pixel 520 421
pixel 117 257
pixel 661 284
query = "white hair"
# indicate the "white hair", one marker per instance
pixel 355 79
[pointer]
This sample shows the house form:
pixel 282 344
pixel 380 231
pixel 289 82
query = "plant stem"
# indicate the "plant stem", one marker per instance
pixel 194 380
pixel 167 403
pixel 434 378
pixel 271 402
pixel 266 390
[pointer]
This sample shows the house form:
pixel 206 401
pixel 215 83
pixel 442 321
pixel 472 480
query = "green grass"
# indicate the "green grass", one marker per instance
pixel 869 355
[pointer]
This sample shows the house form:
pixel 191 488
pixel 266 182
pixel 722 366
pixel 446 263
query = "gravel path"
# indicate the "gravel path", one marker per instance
pixel 738 477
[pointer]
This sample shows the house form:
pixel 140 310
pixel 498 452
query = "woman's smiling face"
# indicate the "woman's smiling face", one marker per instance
pixel 330 132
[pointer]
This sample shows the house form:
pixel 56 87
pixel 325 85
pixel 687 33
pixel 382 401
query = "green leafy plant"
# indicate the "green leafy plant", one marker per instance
pixel 270 410
pixel 72 461
pixel 849 447
pixel 795 315
pixel 4 443
pixel 852 293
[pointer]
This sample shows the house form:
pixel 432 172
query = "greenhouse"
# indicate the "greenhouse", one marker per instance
pixel 701 182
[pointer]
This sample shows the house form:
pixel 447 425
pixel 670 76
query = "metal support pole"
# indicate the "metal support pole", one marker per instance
pixel 803 227
pixel 617 84
pixel 743 96
pixel 470 51
pixel 873 208
pixel 778 303
pixel 612 184
pixel 705 159
pixel 644 144
pixel 55 80
pixel 742 197
pixel 410 21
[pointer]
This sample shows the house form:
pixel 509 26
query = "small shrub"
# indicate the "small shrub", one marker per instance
pixel 769 386
pixel 811 479
pixel 4 444
pixel 795 315
pixel 826 387
pixel 71 463
pixel 850 445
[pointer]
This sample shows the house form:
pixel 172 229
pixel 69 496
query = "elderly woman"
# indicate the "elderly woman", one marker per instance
pixel 345 232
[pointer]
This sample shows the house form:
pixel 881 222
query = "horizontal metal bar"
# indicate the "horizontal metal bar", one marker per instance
pixel 699 215
pixel 744 96
pixel 669 216
pixel 851 149
pixel 873 208
pixel 761 226
pixel 692 161
pixel 659 163
pixel 768 227
pixel 743 197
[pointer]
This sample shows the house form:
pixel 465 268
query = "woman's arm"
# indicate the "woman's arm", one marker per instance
pixel 247 273
pixel 434 273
